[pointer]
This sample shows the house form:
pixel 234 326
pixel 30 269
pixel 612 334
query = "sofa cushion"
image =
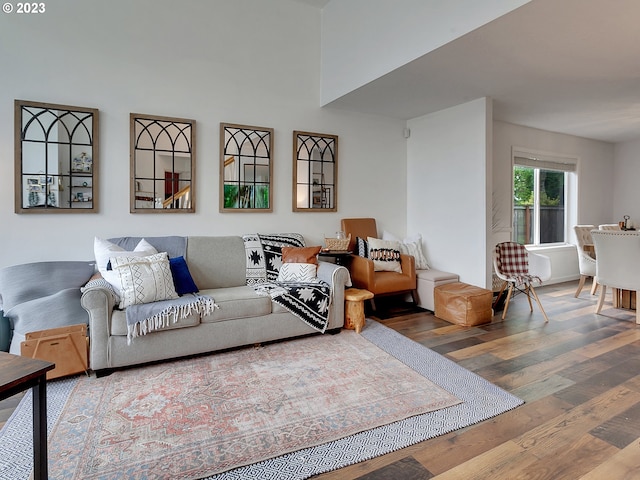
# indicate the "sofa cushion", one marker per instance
pixel 217 262
pixel 119 323
pixel 236 302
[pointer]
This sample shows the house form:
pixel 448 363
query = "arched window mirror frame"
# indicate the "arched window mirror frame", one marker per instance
pixel 315 172
pixel 167 184
pixel 246 168
pixel 56 158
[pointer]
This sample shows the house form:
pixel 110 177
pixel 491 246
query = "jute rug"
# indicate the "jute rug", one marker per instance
pixel 285 410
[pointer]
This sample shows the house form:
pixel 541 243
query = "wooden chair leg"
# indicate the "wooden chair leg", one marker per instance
pixel 615 293
pixel 373 304
pixel 594 286
pixel 504 284
pixel 580 285
pixel 506 303
pixel 527 291
pixel 603 291
pixel 535 295
pixel 414 297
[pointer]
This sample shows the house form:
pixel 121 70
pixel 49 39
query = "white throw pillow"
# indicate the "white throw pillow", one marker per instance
pixel 104 250
pixel 385 255
pixel 411 245
pixel 144 279
pixel 297 272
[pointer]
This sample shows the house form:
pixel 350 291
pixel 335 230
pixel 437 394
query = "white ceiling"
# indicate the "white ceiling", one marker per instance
pixel 569 66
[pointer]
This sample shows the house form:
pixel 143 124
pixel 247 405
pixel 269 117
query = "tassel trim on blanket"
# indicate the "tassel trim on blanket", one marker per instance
pixel 202 305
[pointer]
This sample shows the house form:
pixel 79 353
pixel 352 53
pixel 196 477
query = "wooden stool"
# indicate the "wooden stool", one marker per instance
pixel 354 308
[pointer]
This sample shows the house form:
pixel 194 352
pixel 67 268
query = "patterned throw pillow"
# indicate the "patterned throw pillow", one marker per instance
pixel 104 250
pixel 297 272
pixel 385 255
pixel 410 246
pixel 415 250
pixel 144 279
pixel 362 248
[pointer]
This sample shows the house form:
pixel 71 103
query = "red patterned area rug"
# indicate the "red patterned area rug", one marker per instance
pixel 197 417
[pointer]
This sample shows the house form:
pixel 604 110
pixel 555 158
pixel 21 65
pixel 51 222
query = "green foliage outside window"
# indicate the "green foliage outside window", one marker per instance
pixel 551 187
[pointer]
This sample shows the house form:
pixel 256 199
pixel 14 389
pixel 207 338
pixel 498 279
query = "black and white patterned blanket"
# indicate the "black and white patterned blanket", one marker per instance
pixel 309 301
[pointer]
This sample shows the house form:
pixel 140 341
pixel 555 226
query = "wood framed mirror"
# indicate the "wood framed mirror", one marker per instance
pixel 315 172
pixel 246 168
pixel 163 164
pixel 56 158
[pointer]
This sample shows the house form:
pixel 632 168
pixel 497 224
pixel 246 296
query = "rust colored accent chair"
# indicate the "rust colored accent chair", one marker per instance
pixel 362 270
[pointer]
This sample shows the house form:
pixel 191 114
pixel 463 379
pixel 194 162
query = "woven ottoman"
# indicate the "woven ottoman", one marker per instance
pixel 463 304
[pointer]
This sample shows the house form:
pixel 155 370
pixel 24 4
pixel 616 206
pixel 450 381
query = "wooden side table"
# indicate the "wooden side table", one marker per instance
pixel 354 308
pixel 341 257
pixel 16 375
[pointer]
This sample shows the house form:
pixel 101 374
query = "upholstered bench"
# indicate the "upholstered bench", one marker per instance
pixel 427 280
pixel 463 304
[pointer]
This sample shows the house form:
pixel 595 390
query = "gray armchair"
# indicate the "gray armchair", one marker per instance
pixel 42 295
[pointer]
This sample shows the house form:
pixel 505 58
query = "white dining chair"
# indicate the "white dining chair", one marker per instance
pixel 609 226
pixel 586 262
pixel 617 263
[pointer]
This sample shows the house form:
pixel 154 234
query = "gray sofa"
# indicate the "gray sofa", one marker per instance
pixel 218 267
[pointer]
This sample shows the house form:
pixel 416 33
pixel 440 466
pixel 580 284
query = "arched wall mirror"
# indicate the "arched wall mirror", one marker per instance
pixel 245 168
pixel 56 158
pixel 315 172
pixel 163 160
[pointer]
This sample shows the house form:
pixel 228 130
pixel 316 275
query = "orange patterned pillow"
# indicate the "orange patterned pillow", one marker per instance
pixel 300 255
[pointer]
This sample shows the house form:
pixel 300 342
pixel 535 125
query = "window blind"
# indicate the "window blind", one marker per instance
pixel 548 163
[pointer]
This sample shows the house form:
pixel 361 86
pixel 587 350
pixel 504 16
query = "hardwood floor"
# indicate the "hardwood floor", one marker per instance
pixel 579 375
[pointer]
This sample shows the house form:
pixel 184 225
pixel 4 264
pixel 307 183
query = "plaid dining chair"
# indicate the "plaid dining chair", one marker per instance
pixel 519 269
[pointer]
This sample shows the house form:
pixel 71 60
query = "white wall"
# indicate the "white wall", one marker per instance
pixel 363 40
pixel 626 178
pixel 239 61
pixel 448 185
pixel 595 185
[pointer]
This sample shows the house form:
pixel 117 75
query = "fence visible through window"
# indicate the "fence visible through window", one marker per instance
pixel 551 224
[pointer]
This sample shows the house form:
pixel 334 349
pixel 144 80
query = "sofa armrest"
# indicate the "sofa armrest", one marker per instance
pixel 338 277
pixel 335 275
pixel 99 303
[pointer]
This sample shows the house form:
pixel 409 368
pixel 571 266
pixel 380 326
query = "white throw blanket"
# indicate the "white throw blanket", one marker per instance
pixel 149 317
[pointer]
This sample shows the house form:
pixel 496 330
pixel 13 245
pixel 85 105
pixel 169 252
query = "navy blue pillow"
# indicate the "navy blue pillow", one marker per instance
pixel 182 279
